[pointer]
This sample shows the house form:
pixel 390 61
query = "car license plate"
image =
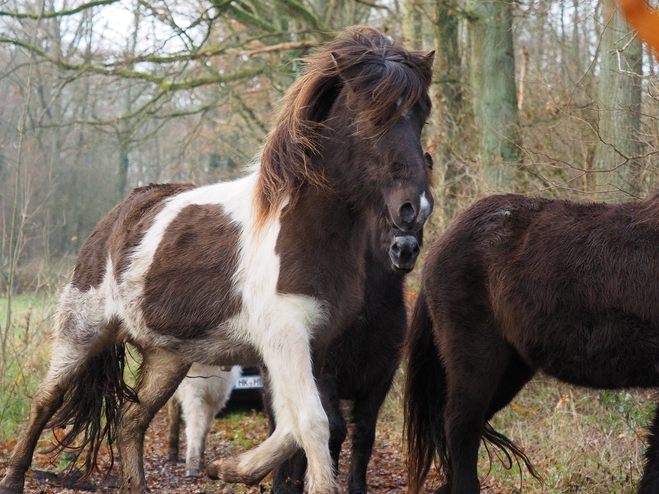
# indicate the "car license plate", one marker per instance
pixel 248 382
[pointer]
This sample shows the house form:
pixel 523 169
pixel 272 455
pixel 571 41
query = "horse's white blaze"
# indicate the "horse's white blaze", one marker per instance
pixel 424 205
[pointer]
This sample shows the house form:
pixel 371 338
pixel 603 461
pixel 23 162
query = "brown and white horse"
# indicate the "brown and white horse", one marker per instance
pixel 265 270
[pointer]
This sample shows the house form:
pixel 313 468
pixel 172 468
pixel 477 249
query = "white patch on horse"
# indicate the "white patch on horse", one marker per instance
pixel 424 205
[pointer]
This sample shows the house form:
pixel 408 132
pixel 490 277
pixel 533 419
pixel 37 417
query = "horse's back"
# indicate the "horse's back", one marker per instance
pixel 119 232
pixel 565 283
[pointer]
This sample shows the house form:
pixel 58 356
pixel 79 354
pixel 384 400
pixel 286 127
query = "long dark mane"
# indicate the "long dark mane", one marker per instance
pixel 384 81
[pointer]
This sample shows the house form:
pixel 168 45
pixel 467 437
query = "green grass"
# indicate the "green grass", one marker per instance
pixel 26 358
pixel 579 440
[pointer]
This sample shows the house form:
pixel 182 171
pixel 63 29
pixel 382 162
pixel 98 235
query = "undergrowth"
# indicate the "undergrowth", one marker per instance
pixel 579 440
pixel 26 358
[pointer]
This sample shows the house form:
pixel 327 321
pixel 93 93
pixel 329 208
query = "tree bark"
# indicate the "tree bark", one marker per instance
pixel 448 97
pixel 493 88
pixel 412 25
pixel 619 109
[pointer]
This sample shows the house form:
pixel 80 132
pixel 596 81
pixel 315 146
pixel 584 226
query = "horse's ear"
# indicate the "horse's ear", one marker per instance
pixel 428 159
pixel 430 58
pixel 336 64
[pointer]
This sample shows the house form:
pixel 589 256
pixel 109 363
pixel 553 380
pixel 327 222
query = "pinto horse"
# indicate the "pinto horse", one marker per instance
pixel 263 270
pixel 516 285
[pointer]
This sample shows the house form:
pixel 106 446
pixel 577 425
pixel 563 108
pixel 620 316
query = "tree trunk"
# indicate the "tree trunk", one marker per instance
pixel 619 109
pixel 412 25
pixel 493 88
pixel 448 98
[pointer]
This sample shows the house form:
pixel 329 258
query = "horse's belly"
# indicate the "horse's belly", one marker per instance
pixel 612 355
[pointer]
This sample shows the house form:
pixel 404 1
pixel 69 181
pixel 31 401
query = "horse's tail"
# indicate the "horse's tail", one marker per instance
pixel 90 410
pixel 512 452
pixel 425 399
pixel 425 402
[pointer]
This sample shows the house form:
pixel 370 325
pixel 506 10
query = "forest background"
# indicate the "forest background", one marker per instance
pixel 553 98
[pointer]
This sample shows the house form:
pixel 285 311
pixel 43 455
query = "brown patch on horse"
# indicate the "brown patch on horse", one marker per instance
pixel 188 290
pixel 119 232
pixel 142 206
pixel 385 82
pixel 320 272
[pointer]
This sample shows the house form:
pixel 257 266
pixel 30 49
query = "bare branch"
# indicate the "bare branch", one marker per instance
pixel 299 45
pixel 58 13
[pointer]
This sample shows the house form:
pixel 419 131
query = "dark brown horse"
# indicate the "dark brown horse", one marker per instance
pixel 516 285
pixel 264 270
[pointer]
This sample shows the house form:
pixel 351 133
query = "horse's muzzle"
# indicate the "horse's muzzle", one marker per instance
pixel 403 252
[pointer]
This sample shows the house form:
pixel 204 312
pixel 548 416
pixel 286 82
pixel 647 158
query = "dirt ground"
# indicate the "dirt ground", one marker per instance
pixel 387 472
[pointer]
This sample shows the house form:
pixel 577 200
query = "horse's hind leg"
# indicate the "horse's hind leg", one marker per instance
pixel 475 367
pixel 47 400
pixel 160 373
pixel 198 412
pixel 77 339
pixel 650 480
pixel 174 428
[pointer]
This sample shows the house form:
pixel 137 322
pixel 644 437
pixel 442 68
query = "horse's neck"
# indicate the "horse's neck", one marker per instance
pixel 322 248
pixel 322 216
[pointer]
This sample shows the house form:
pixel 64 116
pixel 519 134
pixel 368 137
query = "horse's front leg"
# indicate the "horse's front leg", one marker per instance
pixel 650 480
pixel 161 372
pixel 365 417
pixel 299 415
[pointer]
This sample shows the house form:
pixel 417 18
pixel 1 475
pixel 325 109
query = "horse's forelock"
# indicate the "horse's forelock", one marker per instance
pixel 385 80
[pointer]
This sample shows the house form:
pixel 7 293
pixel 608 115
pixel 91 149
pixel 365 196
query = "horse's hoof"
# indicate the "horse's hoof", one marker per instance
pixel 8 487
pixel 332 488
pixel 213 470
pixel 10 490
pixel 127 488
pixel 192 473
pixel 226 469
pixel 173 458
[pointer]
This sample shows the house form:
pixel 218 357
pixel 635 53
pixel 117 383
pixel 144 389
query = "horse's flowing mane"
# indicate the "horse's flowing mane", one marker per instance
pixel 384 81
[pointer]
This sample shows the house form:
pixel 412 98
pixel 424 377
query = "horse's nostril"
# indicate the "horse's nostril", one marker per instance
pixel 407 213
pixel 395 249
pixel 416 250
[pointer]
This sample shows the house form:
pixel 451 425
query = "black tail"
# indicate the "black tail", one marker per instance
pixel 425 399
pixel 90 409
pixel 512 452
